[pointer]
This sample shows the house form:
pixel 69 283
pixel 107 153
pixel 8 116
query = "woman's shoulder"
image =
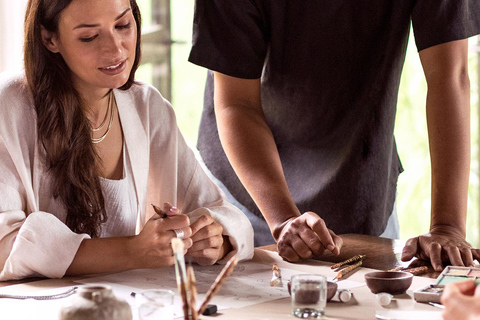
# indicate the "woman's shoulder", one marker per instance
pixel 14 94
pixel 146 97
pixel 143 90
pixel 13 84
pixel 17 114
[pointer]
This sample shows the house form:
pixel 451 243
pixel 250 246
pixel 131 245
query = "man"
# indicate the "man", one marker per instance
pixel 303 99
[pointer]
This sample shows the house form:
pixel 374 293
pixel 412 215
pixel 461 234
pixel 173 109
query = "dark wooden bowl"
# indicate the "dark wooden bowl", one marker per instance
pixel 331 289
pixel 393 282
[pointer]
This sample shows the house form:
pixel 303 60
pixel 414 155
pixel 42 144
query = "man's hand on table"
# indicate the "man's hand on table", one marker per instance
pixel 441 244
pixel 306 236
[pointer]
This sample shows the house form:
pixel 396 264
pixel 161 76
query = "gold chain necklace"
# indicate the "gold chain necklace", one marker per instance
pixel 112 108
pixel 106 116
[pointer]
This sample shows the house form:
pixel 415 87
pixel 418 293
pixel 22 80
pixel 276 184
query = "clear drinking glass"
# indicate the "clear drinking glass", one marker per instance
pixel 155 304
pixel 309 295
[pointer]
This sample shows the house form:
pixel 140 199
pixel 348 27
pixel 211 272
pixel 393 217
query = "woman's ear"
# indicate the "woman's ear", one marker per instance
pixel 49 40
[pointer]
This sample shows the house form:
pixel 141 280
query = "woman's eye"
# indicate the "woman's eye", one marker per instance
pixel 88 39
pixel 124 26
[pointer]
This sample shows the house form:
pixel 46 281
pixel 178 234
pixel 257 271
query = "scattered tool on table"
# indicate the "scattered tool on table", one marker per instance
pixel 358 257
pixel 342 273
pixel 414 271
pixel 276 276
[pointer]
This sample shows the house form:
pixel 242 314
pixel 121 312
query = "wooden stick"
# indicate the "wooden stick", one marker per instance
pixel 193 292
pixel 347 270
pixel 226 271
pixel 397 269
pixel 358 257
pixel 178 247
pixel 414 271
pixel 418 270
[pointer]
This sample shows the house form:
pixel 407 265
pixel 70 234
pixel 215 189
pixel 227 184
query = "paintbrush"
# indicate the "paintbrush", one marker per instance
pixel 178 247
pixel 437 305
pixel 193 292
pixel 358 257
pixel 159 211
pixel 276 276
pixel 226 271
pixel 347 270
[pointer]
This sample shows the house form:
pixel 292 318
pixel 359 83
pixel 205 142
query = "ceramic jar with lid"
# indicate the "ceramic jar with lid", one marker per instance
pixel 96 302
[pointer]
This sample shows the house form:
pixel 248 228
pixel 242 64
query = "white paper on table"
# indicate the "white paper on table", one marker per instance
pixel 408 315
pixel 248 284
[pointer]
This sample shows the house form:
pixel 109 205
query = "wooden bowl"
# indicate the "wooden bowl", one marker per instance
pixel 331 289
pixel 393 282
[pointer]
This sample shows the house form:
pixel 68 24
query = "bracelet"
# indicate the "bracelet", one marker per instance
pixel 49 297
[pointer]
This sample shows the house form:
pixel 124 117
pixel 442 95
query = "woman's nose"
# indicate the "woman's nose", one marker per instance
pixel 111 43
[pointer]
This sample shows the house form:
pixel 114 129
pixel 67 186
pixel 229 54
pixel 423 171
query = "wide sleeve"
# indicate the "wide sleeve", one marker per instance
pixel 175 175
pixel 203 196
pixel 36 245
pixel 32 242
pixel 197 194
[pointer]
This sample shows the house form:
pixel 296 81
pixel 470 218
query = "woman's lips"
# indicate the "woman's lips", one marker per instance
pixel 114 69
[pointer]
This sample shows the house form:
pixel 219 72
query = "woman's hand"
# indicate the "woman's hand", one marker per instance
pixel 461 301
pixel 208 243
pixel 152 247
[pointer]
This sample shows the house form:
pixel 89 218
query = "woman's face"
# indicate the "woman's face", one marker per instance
pixel 97 40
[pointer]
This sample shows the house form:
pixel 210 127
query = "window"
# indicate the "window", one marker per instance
pixel 11 33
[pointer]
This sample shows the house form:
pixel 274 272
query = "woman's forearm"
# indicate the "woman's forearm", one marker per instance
pixel 103 255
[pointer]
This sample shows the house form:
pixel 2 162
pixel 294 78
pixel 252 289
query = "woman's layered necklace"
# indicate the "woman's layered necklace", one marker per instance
pixel 110 108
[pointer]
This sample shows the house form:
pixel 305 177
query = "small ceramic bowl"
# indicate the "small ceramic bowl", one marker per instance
pixel 393 282
pixel 331 289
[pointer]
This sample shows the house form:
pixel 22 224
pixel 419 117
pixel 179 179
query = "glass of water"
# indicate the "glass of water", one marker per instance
pixel 155 304
pixel 309 295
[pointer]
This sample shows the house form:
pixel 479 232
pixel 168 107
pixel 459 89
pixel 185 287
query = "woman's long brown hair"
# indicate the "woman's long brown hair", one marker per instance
pixel 63 129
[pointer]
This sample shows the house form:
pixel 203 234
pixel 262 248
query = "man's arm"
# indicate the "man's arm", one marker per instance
pixel 448 119
pixel 249 145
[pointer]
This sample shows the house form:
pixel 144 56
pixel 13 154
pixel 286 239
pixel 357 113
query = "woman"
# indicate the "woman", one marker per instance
pixel 85 150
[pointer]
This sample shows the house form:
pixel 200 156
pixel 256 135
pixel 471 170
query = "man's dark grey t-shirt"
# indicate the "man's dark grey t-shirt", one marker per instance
pixel 330 74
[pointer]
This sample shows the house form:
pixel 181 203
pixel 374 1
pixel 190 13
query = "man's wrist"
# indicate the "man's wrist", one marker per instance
pixel 277 230
pixel 448 229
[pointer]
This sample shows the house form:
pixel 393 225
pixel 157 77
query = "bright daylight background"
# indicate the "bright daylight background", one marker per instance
pixel 413 202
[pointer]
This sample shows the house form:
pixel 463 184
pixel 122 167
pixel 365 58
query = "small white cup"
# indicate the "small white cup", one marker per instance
pixel 155 304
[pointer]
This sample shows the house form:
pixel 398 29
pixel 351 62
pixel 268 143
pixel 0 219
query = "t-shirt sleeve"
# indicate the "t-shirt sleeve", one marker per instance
pixel 440 21
pixel 229 36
